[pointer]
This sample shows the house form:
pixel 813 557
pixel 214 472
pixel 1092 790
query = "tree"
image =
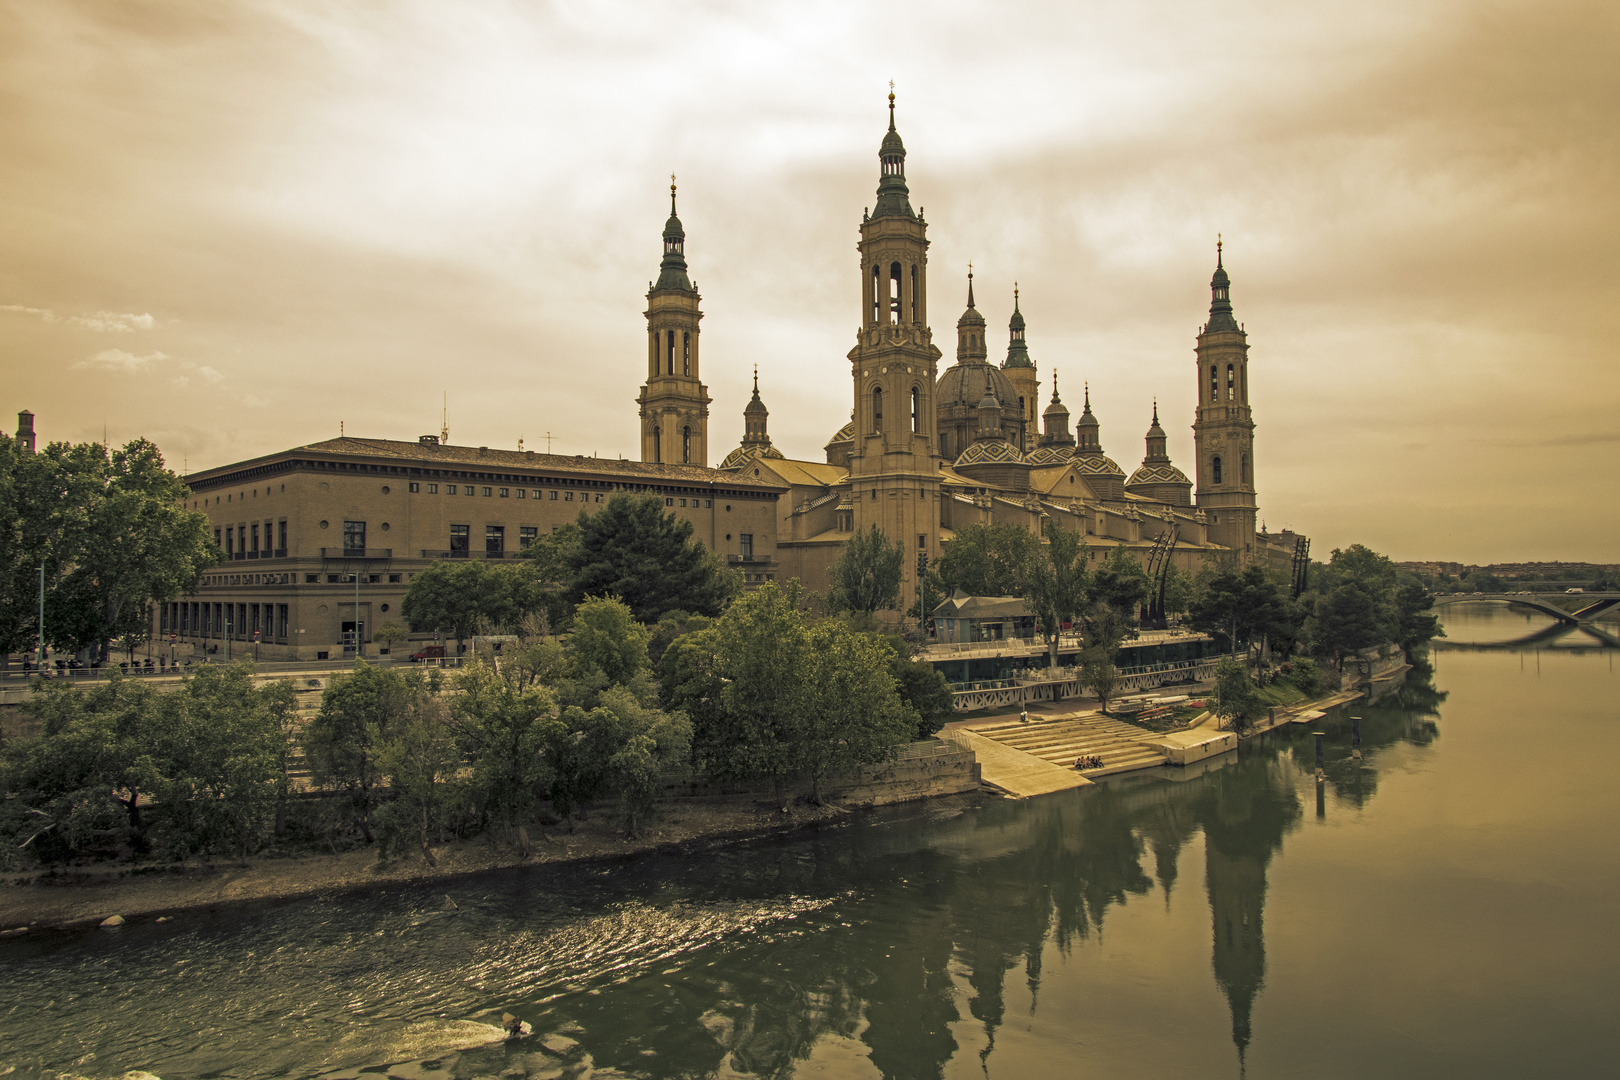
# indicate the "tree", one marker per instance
pixel 455 596
pixel 632 549
pixel 1056 583
pixel 639 742
pixel 1179 590
pixel 1098 673
pixel 1236 701
pixel 1241 605
pixel 855 715
pixel 344 742
pixel 866 575
pixel 110 530
pixel 1346 620
pixel 390 635
pixel 553 556
pixel 500 719
pixel 607 641
pixel 1415 622
pixel 1122 584
pixel 988 560
pixel 420 757
pixel 923 690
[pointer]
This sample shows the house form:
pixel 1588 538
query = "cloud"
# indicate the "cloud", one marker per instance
pixel 113 322
pixel 209 375
pixel 119 361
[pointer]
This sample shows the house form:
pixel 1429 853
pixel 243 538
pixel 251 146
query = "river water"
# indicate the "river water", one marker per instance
pixel 1446 908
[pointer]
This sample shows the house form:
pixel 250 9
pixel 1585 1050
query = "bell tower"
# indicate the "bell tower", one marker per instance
pixel 1224 430
pixel 674 402
pixel 894 462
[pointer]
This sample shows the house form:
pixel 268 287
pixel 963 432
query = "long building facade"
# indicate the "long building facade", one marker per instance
pixel 321 541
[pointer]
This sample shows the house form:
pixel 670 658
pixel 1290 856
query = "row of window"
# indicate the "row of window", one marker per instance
pixel 899 299
pixel 243 622
pixel 877 410
pixel 1215 469
pixel 1234 384
pixel 245 539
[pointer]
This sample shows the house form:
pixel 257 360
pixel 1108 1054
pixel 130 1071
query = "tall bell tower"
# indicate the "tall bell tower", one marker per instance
pixel 674 402
pixel 894 463
pixel 1224 430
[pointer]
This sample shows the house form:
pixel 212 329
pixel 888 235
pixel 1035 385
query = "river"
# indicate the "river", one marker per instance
pixel 1445 908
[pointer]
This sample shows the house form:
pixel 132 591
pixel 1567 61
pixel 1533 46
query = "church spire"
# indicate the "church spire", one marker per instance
pixel 672 272
pixel 1017 348
pixel 893 197
pixel 1220 289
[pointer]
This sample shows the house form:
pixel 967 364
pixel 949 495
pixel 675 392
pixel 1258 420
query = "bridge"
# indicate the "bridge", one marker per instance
pixel 1600 604
pixel 1594 638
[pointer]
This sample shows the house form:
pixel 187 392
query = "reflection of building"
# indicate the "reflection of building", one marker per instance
pixel 1237 901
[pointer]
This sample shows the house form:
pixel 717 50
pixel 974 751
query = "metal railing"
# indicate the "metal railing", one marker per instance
pixel 357 553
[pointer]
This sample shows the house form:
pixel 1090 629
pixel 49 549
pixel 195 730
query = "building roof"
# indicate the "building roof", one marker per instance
pixel 436 455
pixel 981 607
pixel 1158 474
pixel 807 473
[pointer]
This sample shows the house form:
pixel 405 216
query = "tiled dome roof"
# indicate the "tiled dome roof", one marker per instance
pixel 1050 455
pixel 1158 474
pixel 845 434
pixel 744 454
pixel 987 451
pixel 1097 465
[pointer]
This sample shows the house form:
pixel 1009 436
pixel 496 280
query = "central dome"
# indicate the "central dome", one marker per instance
pixel 962 386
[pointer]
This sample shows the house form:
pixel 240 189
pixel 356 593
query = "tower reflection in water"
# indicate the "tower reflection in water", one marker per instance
pixel 922 915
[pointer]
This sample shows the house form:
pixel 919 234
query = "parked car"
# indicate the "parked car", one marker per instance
pixel 428 652
pixel 1575 590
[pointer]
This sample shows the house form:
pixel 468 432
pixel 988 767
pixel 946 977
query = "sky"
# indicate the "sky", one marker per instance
pixel 238 226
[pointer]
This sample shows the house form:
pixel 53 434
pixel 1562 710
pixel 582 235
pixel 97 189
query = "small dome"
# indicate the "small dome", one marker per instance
pixel 990 451
pixel 845 434
pixel 1098 465
pixel 744 454
pixel 1050 455
pixel 673 229
pixel 1158 474
pixel 1057 408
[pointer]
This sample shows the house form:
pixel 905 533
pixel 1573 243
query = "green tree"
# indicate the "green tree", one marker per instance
pixel 420 757
pixel 343 744
pixel 1242 605
pixel 607 640
pixel 1056 583
pixel 866 575
pixel 632 549
pixel 988 560
pixel 1236 700
pixel 925 691
pixel 1179 590
pixel 1346 620
pixel 500 717
pixel 1122 584
pixel 855 716
pixel 391 635
pixel 112 533
pixel 639 743
pixel 553 557
pixel 1415 621
pixel 456 596
pixel 1098 673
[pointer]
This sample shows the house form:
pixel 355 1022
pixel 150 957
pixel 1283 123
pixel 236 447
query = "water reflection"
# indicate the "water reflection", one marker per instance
pixel 1485 627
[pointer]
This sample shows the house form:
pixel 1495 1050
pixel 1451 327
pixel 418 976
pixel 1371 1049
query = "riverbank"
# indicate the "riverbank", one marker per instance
pixel 82 897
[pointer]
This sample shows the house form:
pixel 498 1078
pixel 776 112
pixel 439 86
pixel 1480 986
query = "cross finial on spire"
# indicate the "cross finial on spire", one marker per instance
pixel 671 194
pixel 1217 251
pixel 891 104
pixel 756 381
pixel 1015 296
pixel 970 284
pixel 1088 396
pixel 1054 384
pixel 1155 410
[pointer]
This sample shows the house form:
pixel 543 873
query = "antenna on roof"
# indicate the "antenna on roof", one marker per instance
pixel 444 420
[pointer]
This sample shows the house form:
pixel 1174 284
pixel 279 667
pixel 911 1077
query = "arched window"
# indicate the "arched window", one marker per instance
pixel 1231 393
pixel 1243 469
pixel 945 445
pixel 686 446
pixel 686 353
pixel 1214 384
pixel 877 296
pixel 894 292
pixel 658 445
pixel 1215 469
pixel 877 409
pixel 914 316
pixel 669 353
pixel 916 410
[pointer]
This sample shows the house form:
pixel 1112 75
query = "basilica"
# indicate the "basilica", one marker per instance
pixel 927 452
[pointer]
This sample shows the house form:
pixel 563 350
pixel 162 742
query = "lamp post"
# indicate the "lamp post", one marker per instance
pixel 40 651
pixel 230 610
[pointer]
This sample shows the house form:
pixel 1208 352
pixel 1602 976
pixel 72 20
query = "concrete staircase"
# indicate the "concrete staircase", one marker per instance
pixel 1063 740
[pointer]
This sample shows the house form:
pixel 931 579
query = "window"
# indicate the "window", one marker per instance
pixel 1243 469
pixel 916 409
pixel 281 537
pixel 554 495
pixel 217 542
pixel 877 409
pixel 708 504
pixel 1215 469
pixel 413 488
pixel 877 299
pixel 669 352
pixel 683 502
pixel 281 622
pixel 658 446
pixel 1214 384
pixel 598 496
pixel 527 534
pixel 520 493
pixel 255 534
pixel 668 501
pixel 394 579
pixel 894 292
pixel 914 316
pixel 1230 392
pixel 922 540
pixel 449 489
pixel 494 540
pixel 312 579
pixel 433 489
pixel 333 579
pixel 459 538
pixel 745 545
pixel 487 492
pixel 686 353
pixel 686 446
pixel 568 496
pixel 354 538
pixel 230 541
pixel 373 579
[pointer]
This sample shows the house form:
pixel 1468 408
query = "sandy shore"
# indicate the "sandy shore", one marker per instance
pixel 84 897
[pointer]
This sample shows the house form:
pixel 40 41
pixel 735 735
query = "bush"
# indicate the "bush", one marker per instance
pixel 1305 676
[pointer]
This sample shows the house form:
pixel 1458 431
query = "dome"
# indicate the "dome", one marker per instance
pixel 962 386
pixel 845 434
pixel 744 454
pixel 1098 465
pixel 1050 455
pixel 1158 474
pixel 990 451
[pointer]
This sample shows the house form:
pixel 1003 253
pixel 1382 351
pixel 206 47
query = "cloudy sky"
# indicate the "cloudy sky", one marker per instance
pixel 234 226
